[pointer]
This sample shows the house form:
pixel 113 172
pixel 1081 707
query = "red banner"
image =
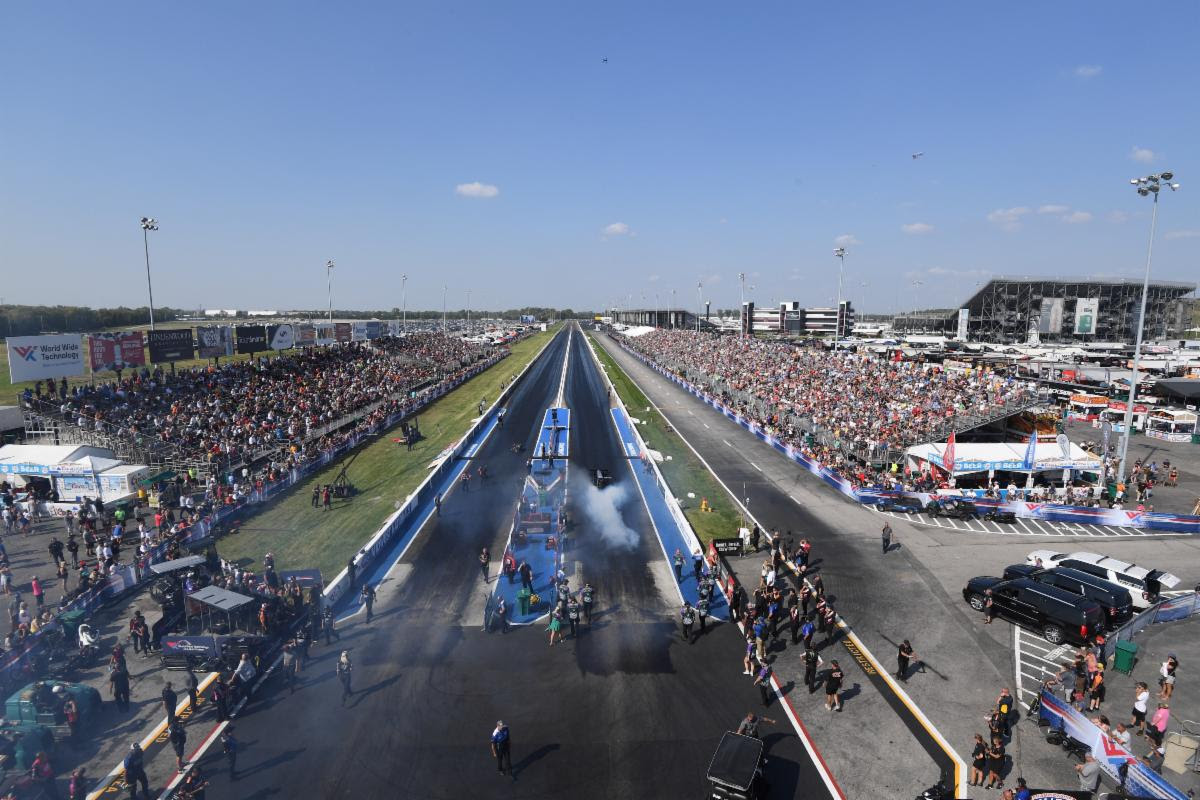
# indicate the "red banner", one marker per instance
pixel 112 351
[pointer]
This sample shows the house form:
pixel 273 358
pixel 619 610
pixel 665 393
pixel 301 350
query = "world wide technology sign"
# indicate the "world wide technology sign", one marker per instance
pixel 37 358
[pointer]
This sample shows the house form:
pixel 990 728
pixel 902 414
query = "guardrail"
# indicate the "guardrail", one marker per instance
pixel 1053 512
pixel 1169 610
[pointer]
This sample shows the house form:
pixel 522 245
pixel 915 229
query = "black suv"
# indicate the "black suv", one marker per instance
pixel 1114 599
pixel 1057 614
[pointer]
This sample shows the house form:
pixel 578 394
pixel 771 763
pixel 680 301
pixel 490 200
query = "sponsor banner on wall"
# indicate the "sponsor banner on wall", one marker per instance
pixel 281 337
pixel 251 338
pixel 375 329
pixel 1052 315
pixel 171 345
pixel 359 333
pixel 393 327
pixel 108 352
pixel 306 335
pixel 35 358
pixel 326 334
pixel 1087 310
pixel 343 331
pixel 214 341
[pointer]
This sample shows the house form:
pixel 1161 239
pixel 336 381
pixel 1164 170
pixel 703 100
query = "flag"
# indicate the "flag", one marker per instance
pixel 948 455
pixel 1031 449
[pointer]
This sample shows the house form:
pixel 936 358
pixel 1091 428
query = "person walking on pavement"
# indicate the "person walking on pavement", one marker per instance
pixel 588 595
pixel 220 697
pixel 678 562
pixel 485 558
pixel 344 671
pixel 192 687
pixel 702 613
pixel 77 789
pixel 42 772
pixel 697 564
pixel 886 536
pixel 794 620
pixel 169 700
pixel 135 771
pixel 368 599
pixel 555 626
pixel 288 663
pixel 688 616
pixel 833 686
pixel 329 625
pixel 502 614
pixel 229 746
pixel 526 572
pixel 118 682
pixel 904 655
pixel 501 748
pixel 763 681
pixel 573 613
pixel 811 661
pixel 437 503
pixel 178 737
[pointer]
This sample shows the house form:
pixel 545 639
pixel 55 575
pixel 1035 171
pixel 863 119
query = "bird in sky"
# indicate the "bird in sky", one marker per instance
pixel 604 60
pixel 917 155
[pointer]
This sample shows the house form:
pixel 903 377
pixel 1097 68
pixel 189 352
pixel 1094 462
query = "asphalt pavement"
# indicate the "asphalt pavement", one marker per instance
pixel 626 710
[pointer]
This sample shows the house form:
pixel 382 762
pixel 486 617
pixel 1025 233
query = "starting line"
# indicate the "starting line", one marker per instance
pixel 1027 526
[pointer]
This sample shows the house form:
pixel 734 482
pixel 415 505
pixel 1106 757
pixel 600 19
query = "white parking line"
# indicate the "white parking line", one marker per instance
pixel 705 424
pixel 726 441
pixel 756 466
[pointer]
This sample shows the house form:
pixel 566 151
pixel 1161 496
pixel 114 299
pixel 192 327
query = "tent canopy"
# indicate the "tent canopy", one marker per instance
pixel 1005 456
pixel 220 599
pixel 40 459
pixel 1185 388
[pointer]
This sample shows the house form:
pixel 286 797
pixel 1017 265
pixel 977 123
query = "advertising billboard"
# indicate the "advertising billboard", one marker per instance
pixel 108 352
pixel 251 338
pixel 326 334
pixel 342 331
pixel 36 358
pixel 375 329
pixel 171 345
pixel 306 335
pixel 1052 315
pixel 281 337
pixel 1086 312
pixel 214 341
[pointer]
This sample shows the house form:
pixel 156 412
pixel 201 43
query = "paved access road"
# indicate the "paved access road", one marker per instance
pixel 1027 527
pixel 627 710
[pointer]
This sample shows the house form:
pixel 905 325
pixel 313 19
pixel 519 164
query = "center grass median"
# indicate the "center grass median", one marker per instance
pixel 683 471
pixel 303 537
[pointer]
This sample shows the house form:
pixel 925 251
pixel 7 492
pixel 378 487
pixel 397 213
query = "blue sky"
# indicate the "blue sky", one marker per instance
pixel 487 146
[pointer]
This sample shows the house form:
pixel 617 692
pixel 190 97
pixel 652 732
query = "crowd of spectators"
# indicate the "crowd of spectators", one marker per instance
pixel 239 411
pixel 856 402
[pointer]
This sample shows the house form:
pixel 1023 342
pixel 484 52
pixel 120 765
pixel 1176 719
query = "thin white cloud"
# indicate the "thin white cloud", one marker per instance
pixel 947 272
pixel 846 240
pixel 1077 217
pixel 1053 209
pixel 1008 219
pixel 617 229
pixel 653 278
pixel 1143 155
pixel 917 228
pixel 1088 70
pixel 1117 217
pixel 476 189
pixel 1184 234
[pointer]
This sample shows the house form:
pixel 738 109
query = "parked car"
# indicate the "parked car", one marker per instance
pixel 900 505
pixel 1145 585
pixel 1113 598
pixel 952 507
pixel 1055 613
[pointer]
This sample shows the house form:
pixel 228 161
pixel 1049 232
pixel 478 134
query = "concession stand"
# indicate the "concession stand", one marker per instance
pixel 1172 425
pixel 1115 415
pixel 1086 406
pixel 977 464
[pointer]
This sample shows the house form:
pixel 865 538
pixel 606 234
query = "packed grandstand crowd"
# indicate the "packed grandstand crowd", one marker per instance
pixel 862 401
pixel 239 411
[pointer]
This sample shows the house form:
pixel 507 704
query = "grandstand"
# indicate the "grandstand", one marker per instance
pixel 1015 310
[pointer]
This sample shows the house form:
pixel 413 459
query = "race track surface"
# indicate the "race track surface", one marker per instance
pixel 628 710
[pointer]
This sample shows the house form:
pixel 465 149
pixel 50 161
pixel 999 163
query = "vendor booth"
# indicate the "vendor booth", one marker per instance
pixel 1172 425
pixel 979 463
pixel 1086 406
pixel 68 473
pixel 1115 414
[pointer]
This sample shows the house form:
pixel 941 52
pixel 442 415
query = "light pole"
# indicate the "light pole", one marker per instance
pixel 404 303
pixel 468 312
pixel 656 304
pixel 443 310
pixel 742 323
pixel 1148 186
pixel 699 302
pixel 841 256
pixel 671 319
pixel 149 224
pixel 329 287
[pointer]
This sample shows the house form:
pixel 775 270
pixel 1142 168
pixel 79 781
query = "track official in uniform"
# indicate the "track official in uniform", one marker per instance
pixel 588 595
pixel 368 599
pixel 687 615
pixel 501 748
pixel 886 536
pixel 903 656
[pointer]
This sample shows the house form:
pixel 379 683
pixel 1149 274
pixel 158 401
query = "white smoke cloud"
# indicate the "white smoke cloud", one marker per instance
pixel 601 509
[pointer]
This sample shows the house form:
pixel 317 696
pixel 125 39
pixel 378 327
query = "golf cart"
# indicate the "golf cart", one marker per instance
pixel 735 772
pixel 994 514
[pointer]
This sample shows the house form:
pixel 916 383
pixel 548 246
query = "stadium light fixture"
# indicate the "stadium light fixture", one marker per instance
pixel 149 224
pixel 1149 185
pixel 837 313
pixel 404 303
pixel 329 287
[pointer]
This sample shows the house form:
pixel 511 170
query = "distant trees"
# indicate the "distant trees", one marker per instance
pixel 32 320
